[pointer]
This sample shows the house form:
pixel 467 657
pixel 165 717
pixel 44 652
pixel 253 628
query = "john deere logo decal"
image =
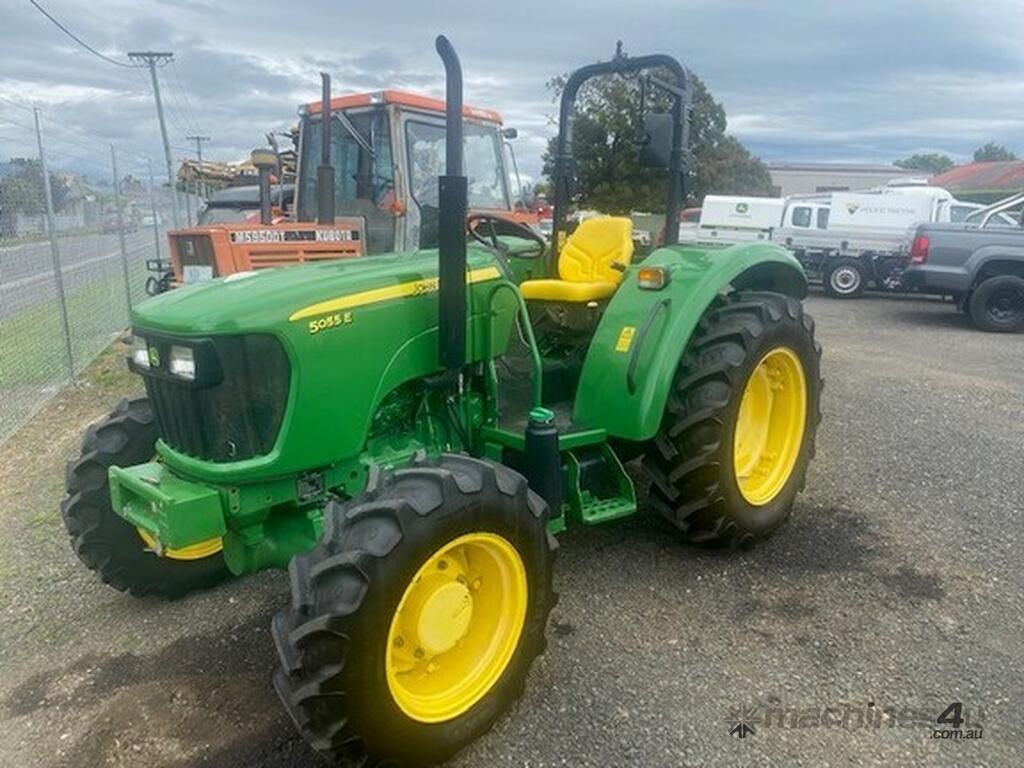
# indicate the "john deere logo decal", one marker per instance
pixel 852 208
pixel 742 207
pixel 154 357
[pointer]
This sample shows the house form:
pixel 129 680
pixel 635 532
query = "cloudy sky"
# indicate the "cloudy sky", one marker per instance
pixel 841 81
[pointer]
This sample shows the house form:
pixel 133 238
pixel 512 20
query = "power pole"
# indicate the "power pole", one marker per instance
pixel 151 59
pixel 199 153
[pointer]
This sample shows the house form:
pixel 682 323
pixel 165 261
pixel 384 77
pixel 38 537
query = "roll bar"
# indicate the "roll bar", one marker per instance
pixel 564 152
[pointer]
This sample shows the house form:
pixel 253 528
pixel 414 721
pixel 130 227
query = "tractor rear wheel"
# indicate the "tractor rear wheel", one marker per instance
pixel 739 427
pixel 415 620
pixel 122 555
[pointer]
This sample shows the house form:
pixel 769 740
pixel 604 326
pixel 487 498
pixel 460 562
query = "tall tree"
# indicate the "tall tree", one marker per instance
pixel 931 162
pixel 993 152
pixel 608 171
pixel 21 187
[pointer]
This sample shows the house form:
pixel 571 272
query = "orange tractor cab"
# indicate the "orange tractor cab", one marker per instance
pixel 375 191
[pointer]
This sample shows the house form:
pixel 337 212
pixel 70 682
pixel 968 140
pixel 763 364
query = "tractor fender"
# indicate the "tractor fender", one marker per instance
pixel 628 371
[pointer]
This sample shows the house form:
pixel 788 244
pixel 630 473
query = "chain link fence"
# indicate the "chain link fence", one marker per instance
pixel 75 236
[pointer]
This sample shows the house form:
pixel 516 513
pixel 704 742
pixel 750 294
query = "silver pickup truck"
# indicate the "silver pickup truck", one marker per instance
pixel 980 263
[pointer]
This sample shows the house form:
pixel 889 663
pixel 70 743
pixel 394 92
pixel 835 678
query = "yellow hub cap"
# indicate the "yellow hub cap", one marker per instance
pixel 770 426
pixel 192 552
pixel 456 627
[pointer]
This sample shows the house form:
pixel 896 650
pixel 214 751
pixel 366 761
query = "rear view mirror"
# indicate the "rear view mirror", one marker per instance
pixel 656 140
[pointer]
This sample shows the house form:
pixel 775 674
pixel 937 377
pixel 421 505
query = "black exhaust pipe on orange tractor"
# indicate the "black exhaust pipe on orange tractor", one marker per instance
pixel 325 171
pixel 451 236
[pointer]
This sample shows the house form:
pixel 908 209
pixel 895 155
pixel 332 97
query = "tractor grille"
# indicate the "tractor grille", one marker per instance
pixel 233 416
pixel 194 251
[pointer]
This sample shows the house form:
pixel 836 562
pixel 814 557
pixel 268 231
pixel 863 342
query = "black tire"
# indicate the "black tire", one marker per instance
pixel 997 304
pixel 844 279
pixel 690 461
pixel 332 640
pixel 103 540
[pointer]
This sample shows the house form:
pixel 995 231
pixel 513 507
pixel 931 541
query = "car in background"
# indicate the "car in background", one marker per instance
pixel 979 262
pixel 111 224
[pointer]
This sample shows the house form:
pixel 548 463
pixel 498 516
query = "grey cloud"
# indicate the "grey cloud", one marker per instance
pixel 870 80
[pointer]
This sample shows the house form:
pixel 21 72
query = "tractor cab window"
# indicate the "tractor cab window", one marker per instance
pixel 364 180
pixel 485 171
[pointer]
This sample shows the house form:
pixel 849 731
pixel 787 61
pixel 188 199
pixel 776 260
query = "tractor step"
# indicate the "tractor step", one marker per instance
pixel 598 488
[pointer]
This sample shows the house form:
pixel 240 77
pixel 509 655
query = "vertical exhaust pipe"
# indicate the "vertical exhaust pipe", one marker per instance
pixel 452 201
pixel 325 171
pixel 266 162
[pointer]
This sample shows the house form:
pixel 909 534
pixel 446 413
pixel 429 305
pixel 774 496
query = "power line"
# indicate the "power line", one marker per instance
pixel 184 96
pixel 77 39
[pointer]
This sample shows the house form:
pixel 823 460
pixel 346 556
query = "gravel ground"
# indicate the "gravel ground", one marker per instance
pixel 896 587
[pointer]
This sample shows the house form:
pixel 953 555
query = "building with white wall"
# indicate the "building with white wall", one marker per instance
pixel 808 178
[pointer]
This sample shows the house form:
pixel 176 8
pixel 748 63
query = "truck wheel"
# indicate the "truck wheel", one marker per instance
pixel 122 555
pixel 739 427
pixel 415 620
pixel 844 279
pixel 998 304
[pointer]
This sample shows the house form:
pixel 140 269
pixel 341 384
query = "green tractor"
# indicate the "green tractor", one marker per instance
pixel 406 432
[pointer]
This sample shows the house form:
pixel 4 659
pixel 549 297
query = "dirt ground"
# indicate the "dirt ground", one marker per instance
pixel 896 586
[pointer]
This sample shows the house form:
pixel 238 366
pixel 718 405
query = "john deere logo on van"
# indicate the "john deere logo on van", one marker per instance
pixel 742 207
pixel 852 208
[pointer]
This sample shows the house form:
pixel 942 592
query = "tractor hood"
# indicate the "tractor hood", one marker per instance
pixel 263 301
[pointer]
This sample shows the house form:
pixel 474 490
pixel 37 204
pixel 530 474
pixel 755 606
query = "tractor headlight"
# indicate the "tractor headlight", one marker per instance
pixel 182 362
pixel 140 352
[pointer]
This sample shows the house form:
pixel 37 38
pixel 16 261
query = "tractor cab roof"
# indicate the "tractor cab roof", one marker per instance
pixel 402 98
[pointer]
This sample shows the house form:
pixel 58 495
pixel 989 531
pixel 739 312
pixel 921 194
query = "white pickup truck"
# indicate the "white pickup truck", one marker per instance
pixel 848 240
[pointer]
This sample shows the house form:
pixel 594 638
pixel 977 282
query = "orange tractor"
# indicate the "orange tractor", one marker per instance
pixel 374 191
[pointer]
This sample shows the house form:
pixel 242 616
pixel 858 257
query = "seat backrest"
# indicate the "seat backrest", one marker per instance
pixel 590 251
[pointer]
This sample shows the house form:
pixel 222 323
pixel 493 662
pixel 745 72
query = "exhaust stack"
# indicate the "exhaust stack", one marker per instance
pixel 452 201
pixel 325 171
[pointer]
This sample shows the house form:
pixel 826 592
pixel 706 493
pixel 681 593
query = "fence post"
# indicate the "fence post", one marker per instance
pixel 51 226
pixel 188 202
pixel 152 209
pixel 120 228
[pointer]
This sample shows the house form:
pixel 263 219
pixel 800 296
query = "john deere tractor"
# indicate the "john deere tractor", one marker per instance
pixel 406 432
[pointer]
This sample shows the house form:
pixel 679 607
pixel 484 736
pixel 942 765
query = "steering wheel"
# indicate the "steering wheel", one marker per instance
pixel 486 228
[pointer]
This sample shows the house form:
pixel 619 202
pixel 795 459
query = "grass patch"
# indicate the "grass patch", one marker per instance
pixel 32 351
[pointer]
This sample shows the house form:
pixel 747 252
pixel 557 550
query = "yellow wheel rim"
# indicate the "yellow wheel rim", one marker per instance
pixel 456 627
pixel 770 426
pixel 191 552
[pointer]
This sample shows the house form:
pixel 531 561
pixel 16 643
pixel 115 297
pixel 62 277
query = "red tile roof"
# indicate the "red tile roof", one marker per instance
pixel 1007 175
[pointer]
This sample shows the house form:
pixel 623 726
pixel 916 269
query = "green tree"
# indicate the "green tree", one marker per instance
pixel 931 162
pixel 609 176
pixel 993 152
pixel 21 187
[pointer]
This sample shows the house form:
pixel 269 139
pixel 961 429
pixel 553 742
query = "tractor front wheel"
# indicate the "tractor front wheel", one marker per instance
pixel 415 620
pixel 739 428
pixel 124 556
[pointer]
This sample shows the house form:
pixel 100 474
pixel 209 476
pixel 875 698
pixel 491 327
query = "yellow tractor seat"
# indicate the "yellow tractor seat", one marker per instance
pixel 591 263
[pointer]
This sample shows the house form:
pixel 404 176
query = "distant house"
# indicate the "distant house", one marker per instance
pixel 808 178
pixel 983 182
